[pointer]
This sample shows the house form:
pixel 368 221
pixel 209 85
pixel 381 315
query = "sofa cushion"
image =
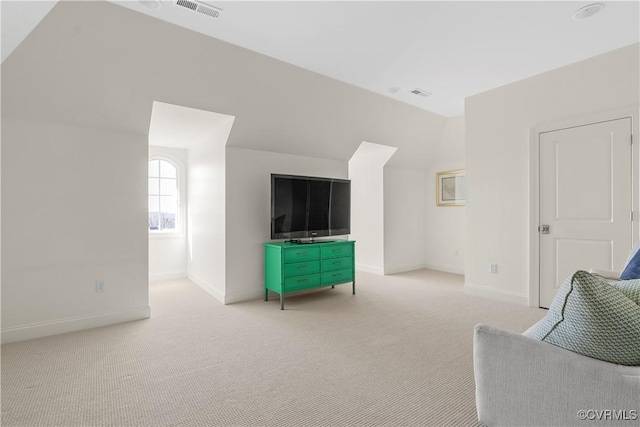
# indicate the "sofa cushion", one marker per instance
pixel 591 317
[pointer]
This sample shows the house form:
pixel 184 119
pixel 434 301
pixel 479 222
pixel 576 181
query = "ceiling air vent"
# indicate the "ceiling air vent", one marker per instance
pixel 201 7
pixel 420 92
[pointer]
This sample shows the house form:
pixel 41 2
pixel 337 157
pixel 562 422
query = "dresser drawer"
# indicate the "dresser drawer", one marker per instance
pixel 337 263
pixel 338 276
pixel 298 283
pixel 299 268
pixel 290 267
pixel 301 254
pixel 337 251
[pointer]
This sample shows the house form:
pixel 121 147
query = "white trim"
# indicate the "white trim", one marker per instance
pixel 445 268
pixel 157 153
pixel 62 326
pixel 243 296
pixel 632 112
pixel 496 294
pixel 534 217
pixel 162 234
pixel 207 287
pixel 396 269
pixel 604 116
pixel 170 275
pixel 370 269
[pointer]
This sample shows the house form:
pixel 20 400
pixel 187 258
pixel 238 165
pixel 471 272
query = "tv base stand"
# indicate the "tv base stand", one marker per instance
pixel 291 267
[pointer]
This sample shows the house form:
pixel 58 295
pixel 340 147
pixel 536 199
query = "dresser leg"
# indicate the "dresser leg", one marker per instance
pixel 281 301
pixel 354 287
pixel 266 294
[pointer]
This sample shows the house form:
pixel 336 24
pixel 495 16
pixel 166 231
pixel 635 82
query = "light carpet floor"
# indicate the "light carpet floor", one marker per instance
pixel 399 353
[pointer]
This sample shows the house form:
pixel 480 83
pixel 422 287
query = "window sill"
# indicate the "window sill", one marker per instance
pixel 166 234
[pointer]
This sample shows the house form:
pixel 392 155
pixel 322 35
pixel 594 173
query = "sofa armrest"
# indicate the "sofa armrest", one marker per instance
pixel 521 381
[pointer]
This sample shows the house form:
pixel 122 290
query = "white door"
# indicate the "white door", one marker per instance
pixel 585 201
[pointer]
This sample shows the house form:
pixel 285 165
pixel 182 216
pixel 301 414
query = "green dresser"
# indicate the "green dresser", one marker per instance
pixel 291 267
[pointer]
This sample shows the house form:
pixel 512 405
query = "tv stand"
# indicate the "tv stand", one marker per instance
pixel 308 242
pixel 288 267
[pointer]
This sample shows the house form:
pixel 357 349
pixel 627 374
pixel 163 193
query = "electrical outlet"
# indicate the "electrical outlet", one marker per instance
pixel 100 286
pixel 493 268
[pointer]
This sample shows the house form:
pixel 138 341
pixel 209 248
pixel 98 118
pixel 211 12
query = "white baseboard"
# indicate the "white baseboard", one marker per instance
pixel 369 269
pixel 445 268
pixel 62 326
pixel 402 268
pixel 235 297
pixel 227 298
pixel 207 287
pixel 496 294
pixel 167 276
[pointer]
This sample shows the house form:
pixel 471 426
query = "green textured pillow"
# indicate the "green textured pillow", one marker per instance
pixel 594 318
pixel 630 288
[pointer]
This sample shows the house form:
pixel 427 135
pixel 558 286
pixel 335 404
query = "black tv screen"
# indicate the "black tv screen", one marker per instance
pixel 303 206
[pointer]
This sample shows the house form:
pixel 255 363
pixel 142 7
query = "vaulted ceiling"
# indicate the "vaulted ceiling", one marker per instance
pixel 450 49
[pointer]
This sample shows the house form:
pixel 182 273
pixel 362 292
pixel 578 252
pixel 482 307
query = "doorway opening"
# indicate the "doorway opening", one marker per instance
pixel 187 195
pixel 366 172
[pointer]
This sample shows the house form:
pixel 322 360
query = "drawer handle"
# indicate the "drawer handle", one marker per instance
pixel 337 275
pixel 337 263
pixel 337 250
pixel 302 267
pixel 303 280
pixel 301 253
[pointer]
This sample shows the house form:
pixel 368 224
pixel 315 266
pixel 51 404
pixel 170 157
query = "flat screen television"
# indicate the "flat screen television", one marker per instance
pixel 303 206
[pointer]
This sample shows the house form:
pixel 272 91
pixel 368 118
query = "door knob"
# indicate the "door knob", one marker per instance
pixel 544 229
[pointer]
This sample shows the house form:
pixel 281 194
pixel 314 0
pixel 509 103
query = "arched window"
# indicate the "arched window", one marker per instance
pixel 163 195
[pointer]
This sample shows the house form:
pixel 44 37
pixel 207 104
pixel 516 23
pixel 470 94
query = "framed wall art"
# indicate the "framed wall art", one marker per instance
pixel 451 188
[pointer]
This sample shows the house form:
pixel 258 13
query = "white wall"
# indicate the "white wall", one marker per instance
pixel 207 218
pixel 404 219
pixel 498 123
pixel 249 211
pixel 445 226
pixel 168 251
pixel 367 214
pixel 106 81
pixel 61 233
pixel 366 172
pixel 419 234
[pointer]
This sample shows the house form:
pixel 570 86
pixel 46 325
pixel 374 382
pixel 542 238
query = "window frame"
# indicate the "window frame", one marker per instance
pixel 179 230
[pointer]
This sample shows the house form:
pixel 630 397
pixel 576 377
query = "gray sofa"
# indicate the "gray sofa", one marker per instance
pixel 521 381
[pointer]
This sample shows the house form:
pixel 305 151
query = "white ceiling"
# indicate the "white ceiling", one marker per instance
pixel 183 127
pixel 452 49
pixel 18 19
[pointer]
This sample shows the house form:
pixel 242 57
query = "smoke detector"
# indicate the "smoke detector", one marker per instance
pixel 587 11
pixel 150 4
pixel 420 92
pixel 200 7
